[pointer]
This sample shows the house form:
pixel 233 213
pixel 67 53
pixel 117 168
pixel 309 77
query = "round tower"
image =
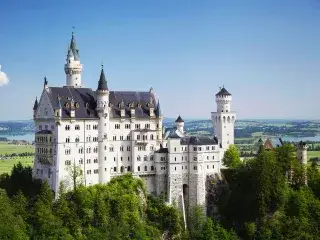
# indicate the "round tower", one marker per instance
pixel 223 119
pixel 180 124
pixel 103 127
pixel 302 154
pixel 73 67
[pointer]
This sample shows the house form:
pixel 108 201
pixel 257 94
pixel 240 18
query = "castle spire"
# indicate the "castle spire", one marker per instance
pixel 45 82
pixel 158 109
pixel 102 84
pixel 35 106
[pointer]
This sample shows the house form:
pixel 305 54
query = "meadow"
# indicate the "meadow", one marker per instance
pixel 7 164
pixel 6 148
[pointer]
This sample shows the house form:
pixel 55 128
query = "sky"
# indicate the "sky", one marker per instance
pixel 266 53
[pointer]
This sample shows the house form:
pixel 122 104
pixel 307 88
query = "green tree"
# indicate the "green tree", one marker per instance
pixel 231 158
pixel 12 226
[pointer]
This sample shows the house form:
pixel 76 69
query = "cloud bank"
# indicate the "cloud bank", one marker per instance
pixel 4 80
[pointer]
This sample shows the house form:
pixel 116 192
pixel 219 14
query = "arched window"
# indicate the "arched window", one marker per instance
pixel 122 169
pixel 138 158
pixel 138 169
pixel 145 168
pixel 151 136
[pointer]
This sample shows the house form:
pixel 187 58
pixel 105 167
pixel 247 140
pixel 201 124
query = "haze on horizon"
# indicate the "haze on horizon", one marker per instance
pixel 266 53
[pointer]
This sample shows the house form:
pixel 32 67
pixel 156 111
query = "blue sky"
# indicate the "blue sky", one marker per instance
pixel 266 53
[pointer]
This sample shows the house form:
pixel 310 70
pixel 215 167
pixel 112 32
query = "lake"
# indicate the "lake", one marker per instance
pixel 27 137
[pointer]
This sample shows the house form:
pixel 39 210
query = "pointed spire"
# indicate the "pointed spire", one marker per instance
pixel 73 47
pixel 158 110
pixel 58 103
pixel 70 53
pixel 102 84
pixel 35 106
pixel 179 119
pixel 45 82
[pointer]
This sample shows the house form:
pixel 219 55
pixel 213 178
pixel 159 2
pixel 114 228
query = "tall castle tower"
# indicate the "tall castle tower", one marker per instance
pixel 73 67
pixel 223 119
pixel 103 110
pixel 302 156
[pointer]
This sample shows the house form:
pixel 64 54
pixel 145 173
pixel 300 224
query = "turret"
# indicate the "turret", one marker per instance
pixel 158 110
pixel 103 127
pixel 224 119
pixel 73 67
pixel 58 109
pixel 35 107
pixel 180 124
pixel 302 156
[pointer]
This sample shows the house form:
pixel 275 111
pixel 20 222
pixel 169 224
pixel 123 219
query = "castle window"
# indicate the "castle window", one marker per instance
pixel 138 137
pixel 138 158
pixel 175 149
pixel 199 148
pixel 175 158
pixel 117 126
pixel 67 162
pixel 212 166
pixel 207 166
pixel 207 148
pixel 151 136
pixel 151 148
pixel 186 167
pixel 145 168
pixel 121 158
pixel 195 158
pixel 157 125
pixel 114 159
pixel 111 149
pixel 77 105
pixel 80 150
pixel 77 139
pixel 145 158
pixel 122 169
pixel 128 137
pixel 194 148
pixel 137 126
pixel 129 168
pixel 121 137
pixel 147 126
pixel 212 157
pixel 138 169
pixel 67 128
pixel 105 147
pixel 67 140
pixel 88 171
pixel 96 171
pixel 127 126
pixel 152 168
pixel 114 169
pixel 81 161
pixel 207 157
pixel 67 151
pixel 114 138
pixel 128 158
pixel 121 148
pixel 175 168
pixel 89 150
pixel 195 168
pixel 212 147
pixel 151 157
pixel 77 127
pixel 128 148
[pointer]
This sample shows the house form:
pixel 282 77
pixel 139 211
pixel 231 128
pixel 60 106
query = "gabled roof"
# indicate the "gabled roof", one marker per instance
pixel 85 102
pixel 223 92
pixel 179 119
pixel 268 145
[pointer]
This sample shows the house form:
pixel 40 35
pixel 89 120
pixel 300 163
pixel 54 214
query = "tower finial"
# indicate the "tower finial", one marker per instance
pixel 45 81
pixel 73 30
pixel 101 65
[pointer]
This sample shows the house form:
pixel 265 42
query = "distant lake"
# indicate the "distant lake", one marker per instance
pixel 298 139
pixel 27 137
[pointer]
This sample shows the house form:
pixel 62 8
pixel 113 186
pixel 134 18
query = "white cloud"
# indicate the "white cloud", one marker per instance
pixel 3 78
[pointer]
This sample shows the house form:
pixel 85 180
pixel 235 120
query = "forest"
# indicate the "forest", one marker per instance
pixel 261 198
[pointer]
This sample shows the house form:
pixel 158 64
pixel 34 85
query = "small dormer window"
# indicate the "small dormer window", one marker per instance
pixel 87 105
pixel 67 105
pixel 77 105
pixel 139 105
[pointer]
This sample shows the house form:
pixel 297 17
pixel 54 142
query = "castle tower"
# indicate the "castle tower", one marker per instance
pixel 180 124
pixel 302 156
pixel 73 67
pixel 103 127
pixel 223 119
pixel 35 107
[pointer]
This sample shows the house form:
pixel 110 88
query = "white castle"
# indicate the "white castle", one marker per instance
pixel 108 133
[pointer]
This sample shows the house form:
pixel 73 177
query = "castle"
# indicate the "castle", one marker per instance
pixel 105 133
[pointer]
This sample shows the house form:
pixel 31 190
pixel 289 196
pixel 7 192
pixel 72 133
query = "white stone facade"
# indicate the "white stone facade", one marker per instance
pixel 106 134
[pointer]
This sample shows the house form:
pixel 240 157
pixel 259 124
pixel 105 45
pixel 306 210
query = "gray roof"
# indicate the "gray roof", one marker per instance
pixel 223 92
pixel 172 133
pixel 73 47
pixel 102 84
pixel 35 106
pixel 198 140
pixel 179 119
pixel 85 102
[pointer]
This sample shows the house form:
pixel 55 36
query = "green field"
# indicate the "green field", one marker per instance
pixel 6 148
pixel 312 154
pixel 7 164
